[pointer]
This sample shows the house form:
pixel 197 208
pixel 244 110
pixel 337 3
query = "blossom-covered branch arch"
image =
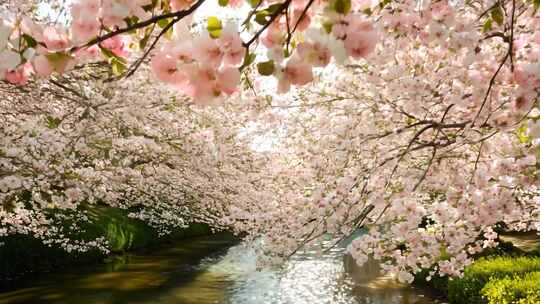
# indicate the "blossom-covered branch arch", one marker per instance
pixel 423 127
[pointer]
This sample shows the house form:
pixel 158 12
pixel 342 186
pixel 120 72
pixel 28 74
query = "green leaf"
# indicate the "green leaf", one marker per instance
pixel 214 27
pixel 118 64
pixel 521 133
pixel 327 25
pixel 223 2
pixel 261 17
pixel 497 15
pixel 162 23
pixel 487 25
pixel 169 33
pixel 409 121
pixel 165 6
pixel 118 67
pixel 384 3
pixel 144 41
pixel 110 55
pixel 30 41
pixel 58 60
pixel 249 58
pixel 272 9
pixel 266 68
pixel 130 21
pixel 106 52
pixel 342 6
pixel 52 122
pixel 254 3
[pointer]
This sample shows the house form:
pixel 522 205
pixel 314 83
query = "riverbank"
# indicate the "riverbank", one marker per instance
pixel 507 274
pixel 167 274
pixel 22 255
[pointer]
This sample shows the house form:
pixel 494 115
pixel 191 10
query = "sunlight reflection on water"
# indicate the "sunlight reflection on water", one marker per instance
pixel 172 276
pixel 306 279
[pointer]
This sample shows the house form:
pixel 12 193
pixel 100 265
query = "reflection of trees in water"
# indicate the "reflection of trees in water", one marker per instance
pixel 173 276
pixel 130 278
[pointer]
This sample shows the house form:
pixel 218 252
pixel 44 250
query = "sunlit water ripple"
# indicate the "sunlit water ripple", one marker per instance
pixel 177 275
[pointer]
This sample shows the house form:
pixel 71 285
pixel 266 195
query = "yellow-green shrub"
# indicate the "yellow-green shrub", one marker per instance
pixel 467 290
pixel 513 290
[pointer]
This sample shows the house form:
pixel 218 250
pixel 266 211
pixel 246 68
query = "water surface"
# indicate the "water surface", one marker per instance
pixel 205 270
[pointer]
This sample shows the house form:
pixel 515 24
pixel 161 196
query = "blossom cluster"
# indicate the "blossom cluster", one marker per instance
pixel 430 148
pixel 204 64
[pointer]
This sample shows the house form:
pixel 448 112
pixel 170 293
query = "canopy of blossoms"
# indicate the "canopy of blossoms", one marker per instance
pixel 416 120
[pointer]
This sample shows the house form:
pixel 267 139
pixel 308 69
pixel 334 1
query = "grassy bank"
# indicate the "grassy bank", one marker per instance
pixel 22 254
pixel 505 275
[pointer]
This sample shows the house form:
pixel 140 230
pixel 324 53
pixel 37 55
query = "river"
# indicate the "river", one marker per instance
pixel 208 270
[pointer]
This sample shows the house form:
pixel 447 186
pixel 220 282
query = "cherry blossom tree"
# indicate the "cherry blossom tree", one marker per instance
pixel 416 120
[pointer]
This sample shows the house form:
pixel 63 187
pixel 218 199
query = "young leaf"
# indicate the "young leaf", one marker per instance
pixel 214 27
pixel 162 23
pixel 342 6
pixel 118 67
pixel 327 26
pixel 497 15
pixel 272 9
pixel 254 3
pixel 59 60
pixel 487 25
pixel 52 122
pixel 248 59
pixel 260 17
pixel 30 41
pixel 384 3
pixel 266 68
pixel 521 133
pixel 144 41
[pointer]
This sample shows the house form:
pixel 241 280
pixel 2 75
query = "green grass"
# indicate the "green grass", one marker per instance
pixel 121 232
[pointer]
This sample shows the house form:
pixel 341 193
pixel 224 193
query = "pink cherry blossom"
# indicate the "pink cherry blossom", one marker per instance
pixel 300 20
pixel 118 45
pixel 314 53
pixel 42 66
pixel 85 9
pixel 208 50
pixel 83 30
pixel 56 39
pixel 528 75
pixel 295 72
pixel 236 3
pixel 20 75
pixel 231 46
pixel 29 27
pixel 178 5
pixel 228 79
pixel 427 143
pixel 360 41
pixel 274 36
pixel 91 52
pixel 166 68
pixel 114 12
